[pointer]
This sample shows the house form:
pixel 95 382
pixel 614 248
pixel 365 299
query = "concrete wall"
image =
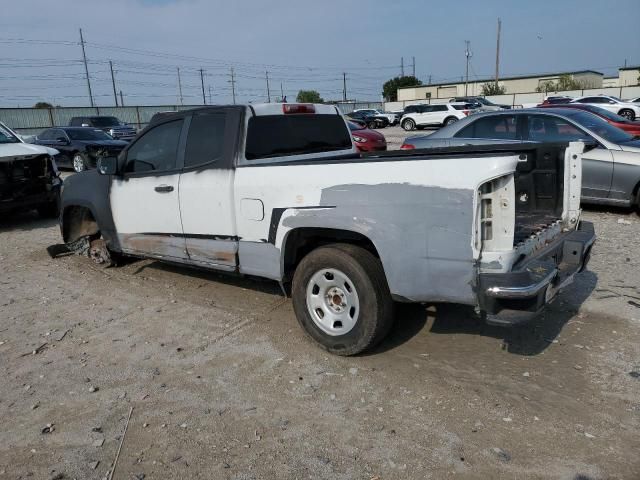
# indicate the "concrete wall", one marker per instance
pixel 629 77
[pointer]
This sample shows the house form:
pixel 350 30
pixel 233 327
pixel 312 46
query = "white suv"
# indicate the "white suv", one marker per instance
pixel 419 116
pixel 629 110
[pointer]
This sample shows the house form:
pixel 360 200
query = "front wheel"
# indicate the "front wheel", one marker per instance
pixel 79 162
pixel 628 114
pixel 450 120
pixel 408 124
pixel 341 298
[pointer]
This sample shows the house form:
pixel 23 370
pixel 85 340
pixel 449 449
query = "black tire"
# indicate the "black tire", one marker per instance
pixel 408 124
pixel 450 120
pixel 365 271
pixel 49 210
pixel 79 162
pixel 627 113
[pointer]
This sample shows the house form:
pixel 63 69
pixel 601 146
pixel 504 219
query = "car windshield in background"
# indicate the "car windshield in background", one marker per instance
pixel 105 122
pixel 7 137
pixel 356 126
pixel 599 126
pixel 605 113
pixel 283 135
pixel 88 134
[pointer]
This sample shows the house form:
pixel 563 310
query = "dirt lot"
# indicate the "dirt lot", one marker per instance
pixel 224 384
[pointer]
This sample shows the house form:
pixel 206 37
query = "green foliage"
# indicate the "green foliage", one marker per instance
pixel 43 105
pixel 493 89
pixel 564 83
pixel 390 87
pixel 309 96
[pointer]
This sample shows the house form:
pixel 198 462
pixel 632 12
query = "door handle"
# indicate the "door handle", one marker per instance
pixel 164 188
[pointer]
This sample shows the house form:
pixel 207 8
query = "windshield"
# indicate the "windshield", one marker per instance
pixel 105 122
pixel 6 136
pixel 605 113
pixel 356 126
pixel 88 134
pixel 483 101
pixel 600 127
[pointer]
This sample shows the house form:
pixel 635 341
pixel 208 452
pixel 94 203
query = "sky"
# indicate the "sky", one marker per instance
pixel 302 44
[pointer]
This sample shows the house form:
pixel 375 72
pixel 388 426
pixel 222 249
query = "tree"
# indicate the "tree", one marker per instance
pixel 493 89
pixel 564 83
pixel 43 105
pixel 390 87
pixel 309 96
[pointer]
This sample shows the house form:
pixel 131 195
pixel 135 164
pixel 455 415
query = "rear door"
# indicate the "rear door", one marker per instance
pixel 206 188
pixel 597 163
pixel 144 199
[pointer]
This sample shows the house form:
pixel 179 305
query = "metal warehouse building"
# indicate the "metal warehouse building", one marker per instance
pixel 519 84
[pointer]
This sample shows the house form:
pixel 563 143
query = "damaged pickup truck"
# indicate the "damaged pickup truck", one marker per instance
pixel 29 177
pixel 278 191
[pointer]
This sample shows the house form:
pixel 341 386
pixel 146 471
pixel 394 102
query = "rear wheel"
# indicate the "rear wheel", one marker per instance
pixel 341 298
pixel 628 114
pixel 408 124
pixel 450 120
pixel 79 162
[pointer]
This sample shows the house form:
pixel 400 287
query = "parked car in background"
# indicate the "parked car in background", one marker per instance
pixel 279 191
pixel 628 110
pixel 29 177
pixel 614 119
pixel 434 115
pixel 634 100
pixel 484 104
pixel 377 113
pixel 365 139
pixel 80 147
pixel 610 165
pixel 111 125
pixel 555 100
pixel 372 121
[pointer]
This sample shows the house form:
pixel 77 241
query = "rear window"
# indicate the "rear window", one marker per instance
pixel 466 106
pixel 284 135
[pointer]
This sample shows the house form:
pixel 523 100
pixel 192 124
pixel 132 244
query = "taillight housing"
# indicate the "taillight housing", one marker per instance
pixel 407 146
pixel 298 108
pixel 466 113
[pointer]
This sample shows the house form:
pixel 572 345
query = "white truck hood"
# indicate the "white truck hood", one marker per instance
pixel 11 151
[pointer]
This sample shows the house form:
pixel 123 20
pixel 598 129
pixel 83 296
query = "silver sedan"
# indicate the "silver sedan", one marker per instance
pixel 610 168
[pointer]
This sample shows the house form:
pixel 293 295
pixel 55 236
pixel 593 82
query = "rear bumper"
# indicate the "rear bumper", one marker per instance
pixel 521 295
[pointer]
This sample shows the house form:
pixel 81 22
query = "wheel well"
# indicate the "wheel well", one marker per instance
pixel 449 118
pixel 78 222
pixel 302 241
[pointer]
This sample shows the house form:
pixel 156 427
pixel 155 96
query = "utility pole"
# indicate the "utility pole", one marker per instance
pixel 86 69
pixel 113 82
pixel 210 102
pixel 429 79
pixel 413 66
pixel 266 74
pixel 233 86
pixel 281 93
pixel 344 87
pixel 498 52
pixel 467 53
pixel 204 99
pixel 402 66
pixel 181 98
pixel 121 100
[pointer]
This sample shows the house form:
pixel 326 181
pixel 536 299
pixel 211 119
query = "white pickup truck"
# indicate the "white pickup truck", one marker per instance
pixel 279 191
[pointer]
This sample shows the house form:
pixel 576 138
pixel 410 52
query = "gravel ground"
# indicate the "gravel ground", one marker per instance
pixel 224 384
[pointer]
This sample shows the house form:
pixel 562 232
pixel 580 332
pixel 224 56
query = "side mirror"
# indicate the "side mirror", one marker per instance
pixel 107 165
pixel 62 140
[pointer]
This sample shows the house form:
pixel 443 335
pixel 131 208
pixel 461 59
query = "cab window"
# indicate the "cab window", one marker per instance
pixel 553 129
pixel 156 150
pixel 503 127
pixel 205 139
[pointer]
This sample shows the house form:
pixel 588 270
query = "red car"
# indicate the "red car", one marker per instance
pixel 366 140
pixel 616 120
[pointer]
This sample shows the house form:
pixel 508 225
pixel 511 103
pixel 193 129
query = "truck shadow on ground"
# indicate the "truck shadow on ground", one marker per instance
pixel 526 340
pixel 25 221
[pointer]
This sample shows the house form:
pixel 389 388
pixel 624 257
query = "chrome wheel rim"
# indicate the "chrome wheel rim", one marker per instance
pixel 332 301
pixel 78 163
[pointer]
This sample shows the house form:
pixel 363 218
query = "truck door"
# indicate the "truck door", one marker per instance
pixel 144 199
pixel 206 188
